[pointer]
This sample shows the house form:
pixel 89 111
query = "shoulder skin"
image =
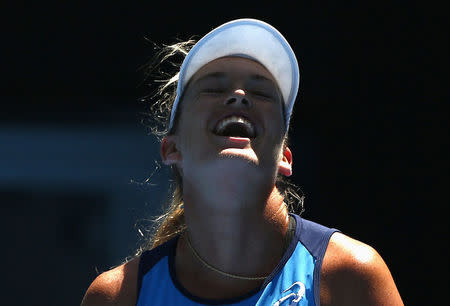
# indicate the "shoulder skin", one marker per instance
pixel 353 273
pixel 117 286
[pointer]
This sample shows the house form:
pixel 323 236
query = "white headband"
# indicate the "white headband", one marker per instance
pixel 247 38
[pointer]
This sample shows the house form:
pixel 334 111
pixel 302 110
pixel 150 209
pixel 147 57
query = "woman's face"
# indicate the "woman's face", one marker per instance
pixel 231 115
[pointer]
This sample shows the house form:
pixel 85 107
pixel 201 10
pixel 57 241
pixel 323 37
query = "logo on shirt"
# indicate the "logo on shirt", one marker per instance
pixel 294 297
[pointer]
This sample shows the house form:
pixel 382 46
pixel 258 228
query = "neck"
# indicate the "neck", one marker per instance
pixel 237 234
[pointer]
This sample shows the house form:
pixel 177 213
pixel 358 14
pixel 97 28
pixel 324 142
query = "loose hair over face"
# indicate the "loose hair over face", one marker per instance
pixel 171 223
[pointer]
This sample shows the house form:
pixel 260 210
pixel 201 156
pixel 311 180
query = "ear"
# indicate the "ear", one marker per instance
pixel 285 165
pixel 169 152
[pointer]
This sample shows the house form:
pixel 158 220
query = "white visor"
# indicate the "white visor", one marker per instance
pixel 249 38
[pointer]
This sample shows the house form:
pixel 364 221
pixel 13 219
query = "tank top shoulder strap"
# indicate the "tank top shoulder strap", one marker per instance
pixel 315 238
pixel 151 257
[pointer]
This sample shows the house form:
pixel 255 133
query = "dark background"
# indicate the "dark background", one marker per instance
pixel 74 155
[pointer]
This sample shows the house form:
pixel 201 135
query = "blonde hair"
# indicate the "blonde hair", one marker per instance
pixel 171 223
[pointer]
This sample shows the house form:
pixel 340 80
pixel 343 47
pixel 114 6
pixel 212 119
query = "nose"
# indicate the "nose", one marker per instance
pixel 238 99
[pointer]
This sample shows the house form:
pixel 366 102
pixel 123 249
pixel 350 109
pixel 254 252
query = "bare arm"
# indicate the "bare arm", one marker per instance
pixel 114 287
pixel 353 273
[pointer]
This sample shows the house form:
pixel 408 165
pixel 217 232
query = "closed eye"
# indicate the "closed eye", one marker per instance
pixel 213 90
pixel 264 95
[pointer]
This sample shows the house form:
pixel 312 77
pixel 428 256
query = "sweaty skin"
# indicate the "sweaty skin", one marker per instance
pixel 235 216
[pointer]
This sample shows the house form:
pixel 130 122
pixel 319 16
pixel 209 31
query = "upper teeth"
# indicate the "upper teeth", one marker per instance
pixel 235 119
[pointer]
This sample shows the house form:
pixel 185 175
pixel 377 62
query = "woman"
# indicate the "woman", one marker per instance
pixel 229 237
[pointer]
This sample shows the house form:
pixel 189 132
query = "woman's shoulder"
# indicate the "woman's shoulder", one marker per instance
pixel 117 286
pixel 354 273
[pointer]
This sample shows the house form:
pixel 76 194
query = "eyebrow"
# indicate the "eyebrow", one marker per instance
pixel 258 77
pixel 212 75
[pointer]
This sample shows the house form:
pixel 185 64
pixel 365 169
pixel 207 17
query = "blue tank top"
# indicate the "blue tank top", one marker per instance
pixel 295 280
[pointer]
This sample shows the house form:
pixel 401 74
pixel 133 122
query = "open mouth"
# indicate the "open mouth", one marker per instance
pixel 235 126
